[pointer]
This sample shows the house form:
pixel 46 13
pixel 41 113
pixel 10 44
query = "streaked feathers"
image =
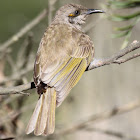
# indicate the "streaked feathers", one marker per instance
pixel 60 63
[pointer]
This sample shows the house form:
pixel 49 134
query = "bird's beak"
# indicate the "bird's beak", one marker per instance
pixel 92 11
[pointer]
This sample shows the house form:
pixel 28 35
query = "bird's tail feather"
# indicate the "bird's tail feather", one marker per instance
pixel 42 121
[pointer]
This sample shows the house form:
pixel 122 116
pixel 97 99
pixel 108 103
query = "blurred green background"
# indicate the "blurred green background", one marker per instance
pixel 98 90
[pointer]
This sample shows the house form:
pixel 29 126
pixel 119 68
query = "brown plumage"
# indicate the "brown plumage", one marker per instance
pixel 64 54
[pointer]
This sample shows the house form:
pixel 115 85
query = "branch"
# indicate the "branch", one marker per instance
pixel 115 59
pixel 23 31
pixel 17 89
pixel 100 117
pixel 17 75
pixel 51 9
pixel 127 59
pixel 113 133
pixel 13 114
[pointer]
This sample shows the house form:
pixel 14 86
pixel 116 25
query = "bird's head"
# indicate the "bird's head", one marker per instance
pixel 74 14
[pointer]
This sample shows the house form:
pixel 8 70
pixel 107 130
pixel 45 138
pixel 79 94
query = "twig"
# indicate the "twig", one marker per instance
pixel 24 93
pixel 100 117
pixel 115 58
pixel 5 53
pixel 10 116
pixel 24 52
pixel 17 89
pixel 17 75
pixel 127 59
pixel 23 31
pixel 51 8
pixel 11 63
pixel 112 133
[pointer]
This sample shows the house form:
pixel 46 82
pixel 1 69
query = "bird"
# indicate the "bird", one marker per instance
pixel 64 54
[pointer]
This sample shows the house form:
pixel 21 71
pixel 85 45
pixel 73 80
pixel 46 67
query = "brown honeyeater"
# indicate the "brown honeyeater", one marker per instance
pixel 63 55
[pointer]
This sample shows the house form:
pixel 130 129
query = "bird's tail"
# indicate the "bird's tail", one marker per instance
pixel 42 121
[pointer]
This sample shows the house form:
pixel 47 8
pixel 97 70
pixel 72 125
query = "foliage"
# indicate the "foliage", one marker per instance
pixel 125 31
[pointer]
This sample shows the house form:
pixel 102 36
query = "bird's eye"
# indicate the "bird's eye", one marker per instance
pixel 77 12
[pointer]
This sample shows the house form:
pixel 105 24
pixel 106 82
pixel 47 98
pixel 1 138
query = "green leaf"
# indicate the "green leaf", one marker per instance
pixel 118 35
pixel 126 41
pixel 124 4
pixel 129 27
pixel 124 18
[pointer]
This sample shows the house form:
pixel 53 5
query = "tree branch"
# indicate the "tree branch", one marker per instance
pixel 127 59
pixel 99 117
pixel 112 133
pixel 17 89
pixel 114 59
pixel 17 75
pixel 23 31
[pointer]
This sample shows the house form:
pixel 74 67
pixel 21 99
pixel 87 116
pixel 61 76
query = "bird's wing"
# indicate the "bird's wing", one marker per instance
pixel 66 70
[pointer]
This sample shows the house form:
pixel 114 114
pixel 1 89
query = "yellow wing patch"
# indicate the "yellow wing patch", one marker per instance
pixel 70 81
pixel 65 76
pixel 65 70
